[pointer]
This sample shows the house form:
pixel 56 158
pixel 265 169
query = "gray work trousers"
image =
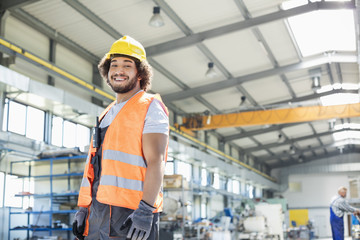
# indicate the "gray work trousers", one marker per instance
pixel 103 226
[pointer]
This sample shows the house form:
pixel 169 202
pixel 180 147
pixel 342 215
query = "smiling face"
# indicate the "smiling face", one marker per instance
pixel 122 75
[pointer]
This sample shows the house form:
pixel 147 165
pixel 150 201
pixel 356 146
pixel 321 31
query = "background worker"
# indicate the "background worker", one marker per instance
pixel 338 207
pixel 120 195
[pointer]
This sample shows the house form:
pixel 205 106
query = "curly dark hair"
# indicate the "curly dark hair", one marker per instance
pixel 144 70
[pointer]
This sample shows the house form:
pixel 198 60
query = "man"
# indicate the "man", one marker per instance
pixel 338 207
pixel 120 195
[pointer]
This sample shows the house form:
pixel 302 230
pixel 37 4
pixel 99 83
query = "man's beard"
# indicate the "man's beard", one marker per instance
pixel 129 85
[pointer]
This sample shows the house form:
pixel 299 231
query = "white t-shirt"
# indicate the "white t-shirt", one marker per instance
pixel 156 120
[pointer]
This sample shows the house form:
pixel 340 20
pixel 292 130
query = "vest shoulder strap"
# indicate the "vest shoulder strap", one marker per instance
pixel 106 110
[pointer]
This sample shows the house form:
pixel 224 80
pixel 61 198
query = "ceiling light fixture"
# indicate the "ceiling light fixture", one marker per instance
pixel 210 73
pixel 280 138
pixel 242 100
pixel 332 123
pixel 208 119
pixel 315 84
pixel 156 20
pixel 292 150
pixel 315 75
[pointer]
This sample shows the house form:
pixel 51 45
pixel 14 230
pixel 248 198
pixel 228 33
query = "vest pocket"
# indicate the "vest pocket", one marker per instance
pixel 117 218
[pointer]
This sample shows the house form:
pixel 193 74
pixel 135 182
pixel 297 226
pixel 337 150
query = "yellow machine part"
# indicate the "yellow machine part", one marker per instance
pixel 299 216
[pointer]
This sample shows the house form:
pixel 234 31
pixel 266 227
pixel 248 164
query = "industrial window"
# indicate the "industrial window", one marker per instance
pixel 82 136
pixel 69 134
pixel 69 139
pixel 258 192
pixel 250 191
pixel 57 131
pixel 243 188
pixel 17 118
pixel 204 177
pixel 35 123
pixel 23 120
pixel 229 185
pixel 236 186
pixel 2 183
pixel 30 122
pixel 203 210
pixel 222 182
pixel 13 186
pixel 184 169
pixel 216 183
pixel 5 118
pixel 169 168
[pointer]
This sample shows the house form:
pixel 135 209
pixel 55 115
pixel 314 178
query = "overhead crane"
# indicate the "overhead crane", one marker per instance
pixel 196 122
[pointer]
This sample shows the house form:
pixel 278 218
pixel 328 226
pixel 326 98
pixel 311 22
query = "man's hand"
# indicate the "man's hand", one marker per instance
pixel 140 222
pixel 79 223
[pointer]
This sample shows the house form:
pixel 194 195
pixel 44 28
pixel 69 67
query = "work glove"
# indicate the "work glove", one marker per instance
pixel 79 223
pixel 140 222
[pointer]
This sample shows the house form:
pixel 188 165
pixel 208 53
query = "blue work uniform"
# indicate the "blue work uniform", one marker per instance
pixel 338 207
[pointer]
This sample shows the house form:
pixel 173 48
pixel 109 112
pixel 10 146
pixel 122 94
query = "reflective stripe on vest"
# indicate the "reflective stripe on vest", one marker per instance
pixel 124 157
pixel 87 159
pixel 122 182
pixel 85 182
pixel 85 198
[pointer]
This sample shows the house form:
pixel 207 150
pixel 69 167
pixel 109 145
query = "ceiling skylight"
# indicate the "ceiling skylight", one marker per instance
pixel 339 99
pixel 350 134
pixel 347 142
pixel 347 126
pixel 345 86
pixel 322 31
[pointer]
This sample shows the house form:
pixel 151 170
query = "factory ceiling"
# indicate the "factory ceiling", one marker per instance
pixel 263 55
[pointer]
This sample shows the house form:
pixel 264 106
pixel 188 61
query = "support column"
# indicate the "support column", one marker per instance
pixel 175 115
pixel 98 81
pixel 2 12
pixel 2 105
pixel 48 127
pixel 221 145
pixel 52 52
pixel 3 15
pixel 206 137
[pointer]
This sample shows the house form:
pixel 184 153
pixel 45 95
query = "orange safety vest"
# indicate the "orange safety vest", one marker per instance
pixel 123 164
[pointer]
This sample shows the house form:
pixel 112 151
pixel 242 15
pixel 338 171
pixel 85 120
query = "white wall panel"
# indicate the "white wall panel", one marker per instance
pixel 26 37
pixel 73 63
pixel 213 142
pixel 315 194
pixel 30 70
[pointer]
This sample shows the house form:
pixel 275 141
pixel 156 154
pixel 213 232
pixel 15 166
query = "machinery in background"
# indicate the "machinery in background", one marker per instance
pixel 303 232
pixel 267 223
pixel 355 228
pixel 249 220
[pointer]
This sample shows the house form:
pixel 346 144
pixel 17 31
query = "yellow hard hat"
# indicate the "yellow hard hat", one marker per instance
pixel 127 46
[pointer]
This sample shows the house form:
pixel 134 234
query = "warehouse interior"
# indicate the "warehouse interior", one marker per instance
pixel 263 100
